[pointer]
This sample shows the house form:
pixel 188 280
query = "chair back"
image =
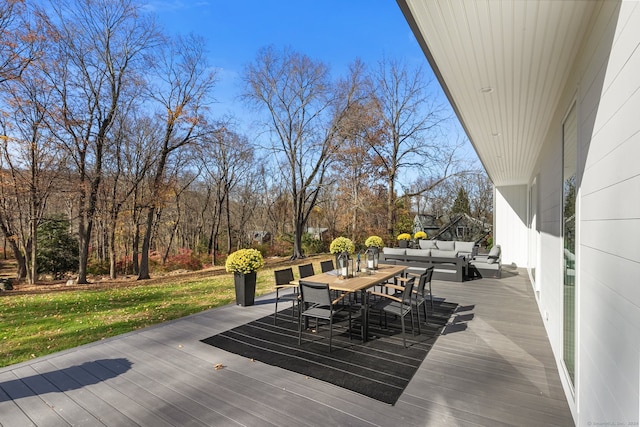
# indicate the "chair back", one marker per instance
pixel 315 294
pixel 424 279
pixel 326 265
pixel 407 294
pixel 306 270
pixel 284 276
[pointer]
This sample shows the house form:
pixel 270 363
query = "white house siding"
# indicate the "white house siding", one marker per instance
pixel 605 84
pixel 510 211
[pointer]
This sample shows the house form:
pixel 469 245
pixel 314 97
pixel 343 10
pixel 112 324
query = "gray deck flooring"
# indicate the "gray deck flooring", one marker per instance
pixel 493 366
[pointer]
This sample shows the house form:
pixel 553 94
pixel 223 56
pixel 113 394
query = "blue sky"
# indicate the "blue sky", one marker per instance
pixel 333 31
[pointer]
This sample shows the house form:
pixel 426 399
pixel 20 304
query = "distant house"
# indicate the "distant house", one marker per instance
pixel 457 227
pixel 427 223
pixel 317 232
pixel 259 236
pixel 463 227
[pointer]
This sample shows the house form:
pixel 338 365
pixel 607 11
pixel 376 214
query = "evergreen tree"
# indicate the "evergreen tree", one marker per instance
pixel 461 204
pixel 57 249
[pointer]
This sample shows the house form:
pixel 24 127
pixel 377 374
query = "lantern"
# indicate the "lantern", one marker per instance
pixel 345 265
pixel 372 258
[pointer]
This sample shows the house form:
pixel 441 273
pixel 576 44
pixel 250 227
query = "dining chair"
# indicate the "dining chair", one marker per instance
pixel 419 293
pixel 283 279
pixel 397 305
pixel 316 303
pixel 306 270
pixel 326 265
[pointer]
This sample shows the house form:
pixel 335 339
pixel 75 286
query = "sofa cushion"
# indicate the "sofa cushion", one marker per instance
pixel 394 251
pixel 466 247
pixel 443 254
pixel 494 254
pixel 419 252
pixel 446 245
pixel 427 244
pixel 495 251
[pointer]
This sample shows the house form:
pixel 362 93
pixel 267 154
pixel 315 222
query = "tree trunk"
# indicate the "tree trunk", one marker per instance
pixel 391 206
pixel 21 271
pixel 144 263
pixel 112 252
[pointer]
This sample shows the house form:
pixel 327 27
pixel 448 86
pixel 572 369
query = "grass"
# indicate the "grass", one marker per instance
pixel 34 325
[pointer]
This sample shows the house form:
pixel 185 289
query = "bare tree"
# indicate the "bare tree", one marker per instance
pixel 130 158
pixel 20 38
pixel 181 85
pixel 229 156
pixel 32 157
pixel 410 123
pixel 99 44
pixel 305 112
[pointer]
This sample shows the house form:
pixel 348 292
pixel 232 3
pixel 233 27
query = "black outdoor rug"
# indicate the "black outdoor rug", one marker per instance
pixel 381 368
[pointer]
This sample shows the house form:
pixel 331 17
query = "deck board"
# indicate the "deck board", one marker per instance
pixel 493 366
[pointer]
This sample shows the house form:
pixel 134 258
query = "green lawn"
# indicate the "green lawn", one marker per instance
pixel 38 324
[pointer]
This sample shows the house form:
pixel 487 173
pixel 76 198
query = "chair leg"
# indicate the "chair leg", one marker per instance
pixel 418 317
pixel 275 316
pixel 431 296
pixel 413 331
pixel 299 330
pixel 330 331
pixel 404 340
pixel 426 316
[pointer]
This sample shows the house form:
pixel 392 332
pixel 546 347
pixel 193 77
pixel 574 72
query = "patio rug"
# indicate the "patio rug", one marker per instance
pixel 381 368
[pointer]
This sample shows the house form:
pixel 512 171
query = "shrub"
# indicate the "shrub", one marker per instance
pixel 97 267
pixel 184 260
pixel 311 245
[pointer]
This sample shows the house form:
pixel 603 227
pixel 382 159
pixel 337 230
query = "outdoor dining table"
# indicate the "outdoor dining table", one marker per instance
pixel 361 282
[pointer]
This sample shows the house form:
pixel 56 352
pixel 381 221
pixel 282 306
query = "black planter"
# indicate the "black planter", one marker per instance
pixel 245 288
pixel 403 243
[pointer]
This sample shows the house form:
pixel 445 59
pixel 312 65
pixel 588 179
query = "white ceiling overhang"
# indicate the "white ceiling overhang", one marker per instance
pixel 503 65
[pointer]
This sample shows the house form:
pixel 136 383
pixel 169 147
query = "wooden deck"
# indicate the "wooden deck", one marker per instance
pixel 493 366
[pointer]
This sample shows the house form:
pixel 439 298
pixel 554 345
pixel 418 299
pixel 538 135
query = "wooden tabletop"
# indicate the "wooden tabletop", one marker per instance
pixel 353 284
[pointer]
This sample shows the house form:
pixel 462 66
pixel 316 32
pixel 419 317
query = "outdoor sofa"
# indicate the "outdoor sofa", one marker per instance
pixel 450 259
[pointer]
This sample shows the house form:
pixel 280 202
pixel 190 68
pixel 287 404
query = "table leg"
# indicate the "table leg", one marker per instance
pixel 364 312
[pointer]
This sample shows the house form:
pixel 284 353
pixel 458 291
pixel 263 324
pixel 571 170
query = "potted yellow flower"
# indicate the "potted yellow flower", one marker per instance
pixel 403 239
pixel 342 248
pixel 374 242
pixel 244 263
pixel 420 235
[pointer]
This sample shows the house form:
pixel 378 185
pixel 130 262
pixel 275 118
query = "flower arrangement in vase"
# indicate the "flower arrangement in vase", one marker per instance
pixel 244 263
